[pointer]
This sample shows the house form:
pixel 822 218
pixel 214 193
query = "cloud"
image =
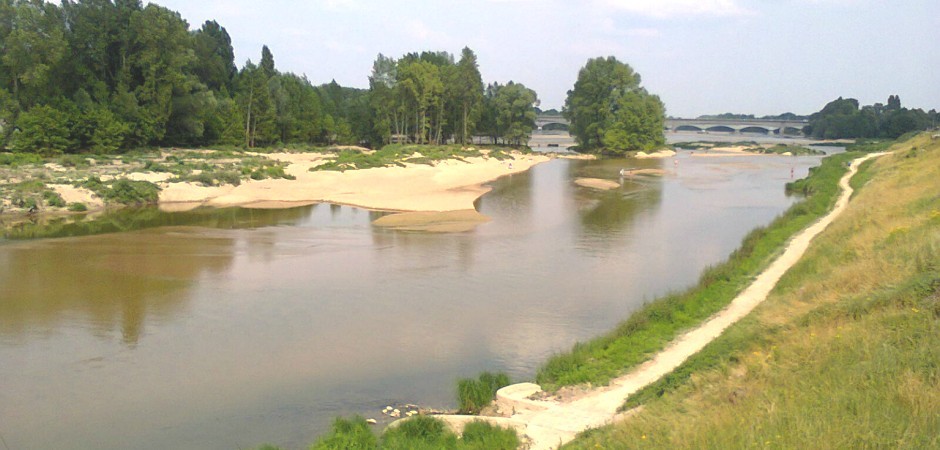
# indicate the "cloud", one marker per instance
pixel 664 9
pixel 341 5
pixel 421 32
pixel 608 26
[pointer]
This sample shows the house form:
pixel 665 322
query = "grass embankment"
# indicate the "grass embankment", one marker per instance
pixel 659 322
pixel 844 353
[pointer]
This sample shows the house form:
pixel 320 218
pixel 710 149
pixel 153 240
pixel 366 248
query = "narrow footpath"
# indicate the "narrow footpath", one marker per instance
pixel 549 424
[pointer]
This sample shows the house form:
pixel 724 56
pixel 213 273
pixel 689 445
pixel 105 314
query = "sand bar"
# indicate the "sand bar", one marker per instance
pixel 655 155
pixel 597 183
pixel 450 185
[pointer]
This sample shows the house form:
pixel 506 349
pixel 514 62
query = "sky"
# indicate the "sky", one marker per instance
pixel 757 57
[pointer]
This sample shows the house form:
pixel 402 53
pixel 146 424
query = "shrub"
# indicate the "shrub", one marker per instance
pixel 474 395
pixel 128 192
pixel 19 159
pixel 427 432
pixel 353 434
pixel 52 198
pixel 77 207
pixel 486 436
pixel 44 130
pixel 417 433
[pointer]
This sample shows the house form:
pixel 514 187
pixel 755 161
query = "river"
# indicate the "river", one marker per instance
pixel 231 328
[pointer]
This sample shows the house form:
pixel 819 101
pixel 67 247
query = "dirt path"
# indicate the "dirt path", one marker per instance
pixel 548 424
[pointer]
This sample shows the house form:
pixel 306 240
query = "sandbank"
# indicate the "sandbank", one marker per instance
pixel 449 185
pixel 718 152
pixel 654 172
pixel 435 222
pixel 597 183
pixel 660 154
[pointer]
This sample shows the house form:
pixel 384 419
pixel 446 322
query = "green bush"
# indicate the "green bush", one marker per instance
pixel 474 395
pixel 44 130
pixel 352 434
pixel 128 192
pixel 77 207
pixel 19 159
pixel 486 436
pixel 419 433
pixel 52 198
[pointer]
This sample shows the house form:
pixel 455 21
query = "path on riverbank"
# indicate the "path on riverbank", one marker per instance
pixel 548 424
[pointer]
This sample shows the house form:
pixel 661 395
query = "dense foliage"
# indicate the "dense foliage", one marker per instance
pixel 111 75
pixel 430 98
pixel 610 112
pixel 842 118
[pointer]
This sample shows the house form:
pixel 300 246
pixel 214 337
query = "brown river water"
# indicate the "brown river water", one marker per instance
pixel 227 329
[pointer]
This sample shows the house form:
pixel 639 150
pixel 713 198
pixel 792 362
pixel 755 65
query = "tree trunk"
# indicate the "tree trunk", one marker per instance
pixel 463 137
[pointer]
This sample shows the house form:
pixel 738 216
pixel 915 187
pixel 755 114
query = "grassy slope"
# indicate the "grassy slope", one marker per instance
pixel 846 351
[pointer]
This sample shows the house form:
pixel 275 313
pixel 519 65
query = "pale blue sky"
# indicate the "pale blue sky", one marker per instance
pixel 700 56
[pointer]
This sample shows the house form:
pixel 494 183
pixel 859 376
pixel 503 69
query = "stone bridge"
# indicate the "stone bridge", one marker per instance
pixel 731 126
pixel 762 126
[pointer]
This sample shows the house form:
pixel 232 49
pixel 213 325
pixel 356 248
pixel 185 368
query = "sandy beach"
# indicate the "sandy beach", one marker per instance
pixel 450 185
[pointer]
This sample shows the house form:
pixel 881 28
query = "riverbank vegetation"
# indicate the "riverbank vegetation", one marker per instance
pixel 753 147
pixel 105 77
pixel 401 154
pixel 610 113
pixel 843 354
pixel 417 433
pixel 474 395
pixel 842 118
pixel 649 329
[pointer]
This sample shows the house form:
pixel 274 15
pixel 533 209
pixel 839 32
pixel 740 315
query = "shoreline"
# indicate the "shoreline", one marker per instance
pixel 444 190
pixel 546 421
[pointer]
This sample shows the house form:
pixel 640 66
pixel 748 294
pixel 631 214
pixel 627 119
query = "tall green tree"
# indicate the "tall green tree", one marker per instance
pixel 215 57
pixel 382 85
pixel 32 44
pixel 423 89
pixel 467 88
pixel 267 62
pixel 515 112
pixel 258 111
pixel 160 67
pixel 609 111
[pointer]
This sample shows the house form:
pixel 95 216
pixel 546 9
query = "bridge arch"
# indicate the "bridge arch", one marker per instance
pixel 554 126
pixel 756 129
pixel 688 128
pixel 720 129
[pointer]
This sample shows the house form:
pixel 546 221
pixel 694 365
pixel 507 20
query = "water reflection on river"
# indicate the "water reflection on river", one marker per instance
pixel 232 328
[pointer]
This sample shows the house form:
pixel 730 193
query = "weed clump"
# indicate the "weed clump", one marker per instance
pixel 130 192
pixel 353 434
pixel 474 395
pixel 416 433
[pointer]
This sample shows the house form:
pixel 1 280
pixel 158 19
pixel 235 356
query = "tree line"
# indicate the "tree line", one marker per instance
pixel 112 75
pixel 842 118
pixel 431 98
